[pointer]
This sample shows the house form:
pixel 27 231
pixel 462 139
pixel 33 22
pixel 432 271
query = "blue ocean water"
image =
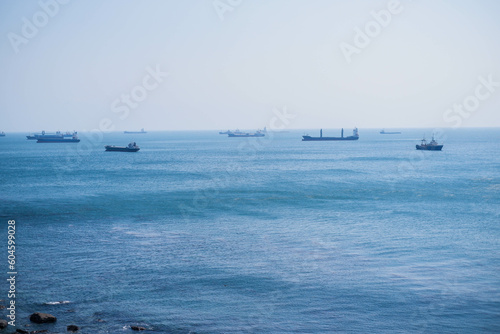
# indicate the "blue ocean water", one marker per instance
pixel 200 233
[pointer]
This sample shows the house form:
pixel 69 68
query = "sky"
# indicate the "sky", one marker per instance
pixel 227 64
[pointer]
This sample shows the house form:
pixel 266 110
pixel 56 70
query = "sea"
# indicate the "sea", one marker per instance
pixel 201 233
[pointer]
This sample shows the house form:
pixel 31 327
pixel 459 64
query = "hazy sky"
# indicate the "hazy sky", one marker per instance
pixel 84 64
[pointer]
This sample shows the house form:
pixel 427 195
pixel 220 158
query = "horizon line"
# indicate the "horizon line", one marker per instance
pixel 270 130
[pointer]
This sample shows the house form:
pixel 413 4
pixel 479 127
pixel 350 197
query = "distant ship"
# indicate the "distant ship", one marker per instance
pixel 383 132
pixel 355 136
pixel 45 135
pixel 60 139
pixel 2 134
pixel 432 146
pixel 132 147
pixel 237 133
pixel 136 132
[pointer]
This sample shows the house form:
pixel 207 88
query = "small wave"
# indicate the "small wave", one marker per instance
pixel 142 234
pixel 58 303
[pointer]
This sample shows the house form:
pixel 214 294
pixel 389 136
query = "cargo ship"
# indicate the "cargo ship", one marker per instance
pixel 45 135
pixel 132 147
pixel 432 146
pixel 135 132
pixel 355 136
pixel 383 132
pixel 59 139
pixel 237 133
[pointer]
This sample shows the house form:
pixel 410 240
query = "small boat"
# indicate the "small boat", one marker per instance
pixel 132 147
pixel 2 134
pixel 59 139
pixel 225 132
pixel 135 132
pixel 355 136
pixel 432 146
pixel 383 132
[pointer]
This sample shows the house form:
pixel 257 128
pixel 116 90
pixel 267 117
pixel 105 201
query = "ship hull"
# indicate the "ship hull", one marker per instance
pixel 429 148
pixel 55 140
pixel 120 149
pixel 246 135
pixel 309 138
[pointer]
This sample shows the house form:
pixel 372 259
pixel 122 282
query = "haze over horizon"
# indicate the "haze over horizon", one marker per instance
pixel 70 65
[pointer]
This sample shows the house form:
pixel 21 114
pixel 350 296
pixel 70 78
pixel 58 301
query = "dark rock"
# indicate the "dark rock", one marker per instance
pixel 3 324
pixel 42 318
pixel 22 331
pixel 72 328
pixel 137 328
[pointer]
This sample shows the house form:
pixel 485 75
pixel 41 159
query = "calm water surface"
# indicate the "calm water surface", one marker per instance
pixel 200 233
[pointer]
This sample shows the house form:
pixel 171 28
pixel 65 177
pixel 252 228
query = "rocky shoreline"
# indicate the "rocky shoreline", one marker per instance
pixel 46 318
